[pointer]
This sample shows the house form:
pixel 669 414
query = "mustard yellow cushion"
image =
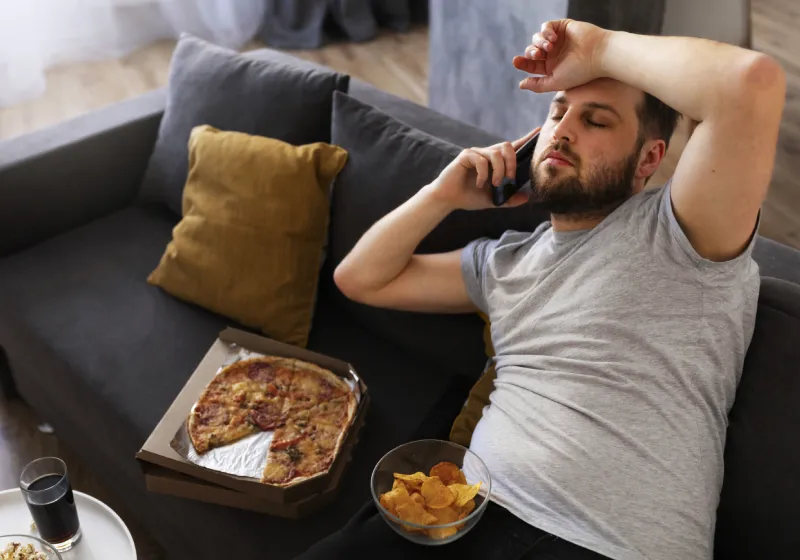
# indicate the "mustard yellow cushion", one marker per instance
pixel 255 215
pixel 465 422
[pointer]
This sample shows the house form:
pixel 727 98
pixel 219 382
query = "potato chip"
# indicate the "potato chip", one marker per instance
pixel 399 484
pixel 468 507
pixel 412 480
pixel 463 492
pixel 394 498
pixel 436 494
pixel 442 532
pixel 448 473
pixel 417 497
pixel 415 513
pixel 443 516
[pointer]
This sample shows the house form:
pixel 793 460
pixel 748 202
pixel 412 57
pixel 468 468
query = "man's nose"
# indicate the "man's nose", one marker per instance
pixel 565 129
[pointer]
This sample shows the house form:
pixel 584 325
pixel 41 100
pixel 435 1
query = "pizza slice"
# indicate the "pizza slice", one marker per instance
pixel 337 412
pixel 267 413
pixel 280 467
pixel 243 398
pixel 289 434
pixel 213 424
pixel 312 384
pixel 295 463
pixel 271 373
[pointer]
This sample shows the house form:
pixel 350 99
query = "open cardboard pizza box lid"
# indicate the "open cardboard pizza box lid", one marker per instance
pixel 166 471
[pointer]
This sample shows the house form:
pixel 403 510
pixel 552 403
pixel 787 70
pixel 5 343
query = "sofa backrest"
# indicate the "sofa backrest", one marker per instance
pixel 759 506
pixel 388 162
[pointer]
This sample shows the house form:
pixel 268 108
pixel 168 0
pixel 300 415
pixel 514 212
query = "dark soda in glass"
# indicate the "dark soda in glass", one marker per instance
pixel 48 493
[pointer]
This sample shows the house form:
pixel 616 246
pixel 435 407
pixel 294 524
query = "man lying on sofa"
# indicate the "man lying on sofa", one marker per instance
pixel 621 325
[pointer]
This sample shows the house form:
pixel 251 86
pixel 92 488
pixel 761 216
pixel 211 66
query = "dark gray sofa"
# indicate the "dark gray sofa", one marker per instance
pixel 100 354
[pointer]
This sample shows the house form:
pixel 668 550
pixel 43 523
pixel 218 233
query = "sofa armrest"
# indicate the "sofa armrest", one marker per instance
pixel 61 177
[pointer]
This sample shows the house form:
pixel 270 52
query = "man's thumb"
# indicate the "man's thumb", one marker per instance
pixel 539 84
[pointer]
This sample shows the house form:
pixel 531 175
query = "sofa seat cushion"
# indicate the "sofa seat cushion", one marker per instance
pixel 101 354
pixel 85 297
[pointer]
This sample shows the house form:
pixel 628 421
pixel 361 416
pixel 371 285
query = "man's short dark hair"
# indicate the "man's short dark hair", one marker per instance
pixel 657 120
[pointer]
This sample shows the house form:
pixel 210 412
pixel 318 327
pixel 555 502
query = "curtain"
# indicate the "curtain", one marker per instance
pixel 37 34
pixel 307 24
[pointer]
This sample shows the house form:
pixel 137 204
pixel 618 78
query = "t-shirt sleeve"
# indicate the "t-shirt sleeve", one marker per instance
pixel 473 268
pixel 672 242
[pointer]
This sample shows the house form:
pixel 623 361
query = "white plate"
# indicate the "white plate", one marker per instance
pixel 104 535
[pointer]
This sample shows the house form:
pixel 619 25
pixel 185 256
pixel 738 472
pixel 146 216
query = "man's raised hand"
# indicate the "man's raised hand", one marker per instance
pixel 464 183
pixel 564 54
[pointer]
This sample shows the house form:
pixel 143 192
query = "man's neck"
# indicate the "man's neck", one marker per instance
pixel 572 222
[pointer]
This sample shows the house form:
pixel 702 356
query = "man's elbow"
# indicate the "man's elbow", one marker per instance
pixel 762 82
pixel 348 284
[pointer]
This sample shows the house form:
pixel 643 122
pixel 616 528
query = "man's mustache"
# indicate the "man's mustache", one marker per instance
pixel 564 150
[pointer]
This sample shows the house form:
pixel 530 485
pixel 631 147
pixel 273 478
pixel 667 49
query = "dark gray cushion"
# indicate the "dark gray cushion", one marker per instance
pixel 388 163
pixel 422 118
pixel 760 502
pixel 212 85
pixel 101 354
pixel 777 260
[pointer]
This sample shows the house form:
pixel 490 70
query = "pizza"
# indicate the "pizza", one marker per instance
pixel 308 408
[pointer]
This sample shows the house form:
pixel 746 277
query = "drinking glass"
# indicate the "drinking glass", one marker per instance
pixel 48 493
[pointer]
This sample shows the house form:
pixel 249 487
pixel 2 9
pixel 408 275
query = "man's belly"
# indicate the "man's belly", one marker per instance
pixel 606 470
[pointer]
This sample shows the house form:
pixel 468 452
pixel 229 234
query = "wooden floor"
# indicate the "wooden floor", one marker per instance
pixel 396 63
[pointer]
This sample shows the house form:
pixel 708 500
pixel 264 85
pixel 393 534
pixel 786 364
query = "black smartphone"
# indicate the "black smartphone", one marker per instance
pixel 508 187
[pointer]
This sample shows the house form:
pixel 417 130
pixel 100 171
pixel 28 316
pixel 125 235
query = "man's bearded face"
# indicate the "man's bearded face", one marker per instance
pixel 564 184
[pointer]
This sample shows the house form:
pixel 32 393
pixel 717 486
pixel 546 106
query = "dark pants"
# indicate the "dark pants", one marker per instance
pixel 497 536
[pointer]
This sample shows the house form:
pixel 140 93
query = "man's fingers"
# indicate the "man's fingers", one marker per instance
pixel 529 65
pixel 517 144
pixel 548 32
pixel 473 159
pixel 541 43
pixel 495 158
pixel 498 167
pixel 509 158
pixel 535 53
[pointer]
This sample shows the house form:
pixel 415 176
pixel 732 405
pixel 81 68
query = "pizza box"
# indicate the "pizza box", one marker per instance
pixel 167 471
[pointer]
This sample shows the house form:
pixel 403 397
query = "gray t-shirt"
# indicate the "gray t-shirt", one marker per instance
pixel 619 350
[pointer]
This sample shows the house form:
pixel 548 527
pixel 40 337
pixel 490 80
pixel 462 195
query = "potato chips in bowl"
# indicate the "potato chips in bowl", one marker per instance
pixel 431 491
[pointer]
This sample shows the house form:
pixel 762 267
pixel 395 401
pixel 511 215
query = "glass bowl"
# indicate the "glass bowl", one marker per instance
pixel 38 544
pixel 420 456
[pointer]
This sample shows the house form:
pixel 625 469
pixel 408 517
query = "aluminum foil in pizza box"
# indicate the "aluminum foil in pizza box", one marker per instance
pixel 247 457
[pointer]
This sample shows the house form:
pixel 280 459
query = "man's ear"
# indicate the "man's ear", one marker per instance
pixel 650 157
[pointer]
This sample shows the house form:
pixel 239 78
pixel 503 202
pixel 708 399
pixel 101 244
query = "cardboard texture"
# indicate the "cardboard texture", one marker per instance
pixel 169 473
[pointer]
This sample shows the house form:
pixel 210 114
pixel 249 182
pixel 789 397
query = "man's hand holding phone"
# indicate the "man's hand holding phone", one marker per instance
pixel 465 184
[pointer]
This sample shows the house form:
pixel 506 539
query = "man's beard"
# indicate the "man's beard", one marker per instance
pixel 604 190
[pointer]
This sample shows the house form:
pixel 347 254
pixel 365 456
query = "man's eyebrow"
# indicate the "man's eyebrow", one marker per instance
pixel 562 100
pixel 595 105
